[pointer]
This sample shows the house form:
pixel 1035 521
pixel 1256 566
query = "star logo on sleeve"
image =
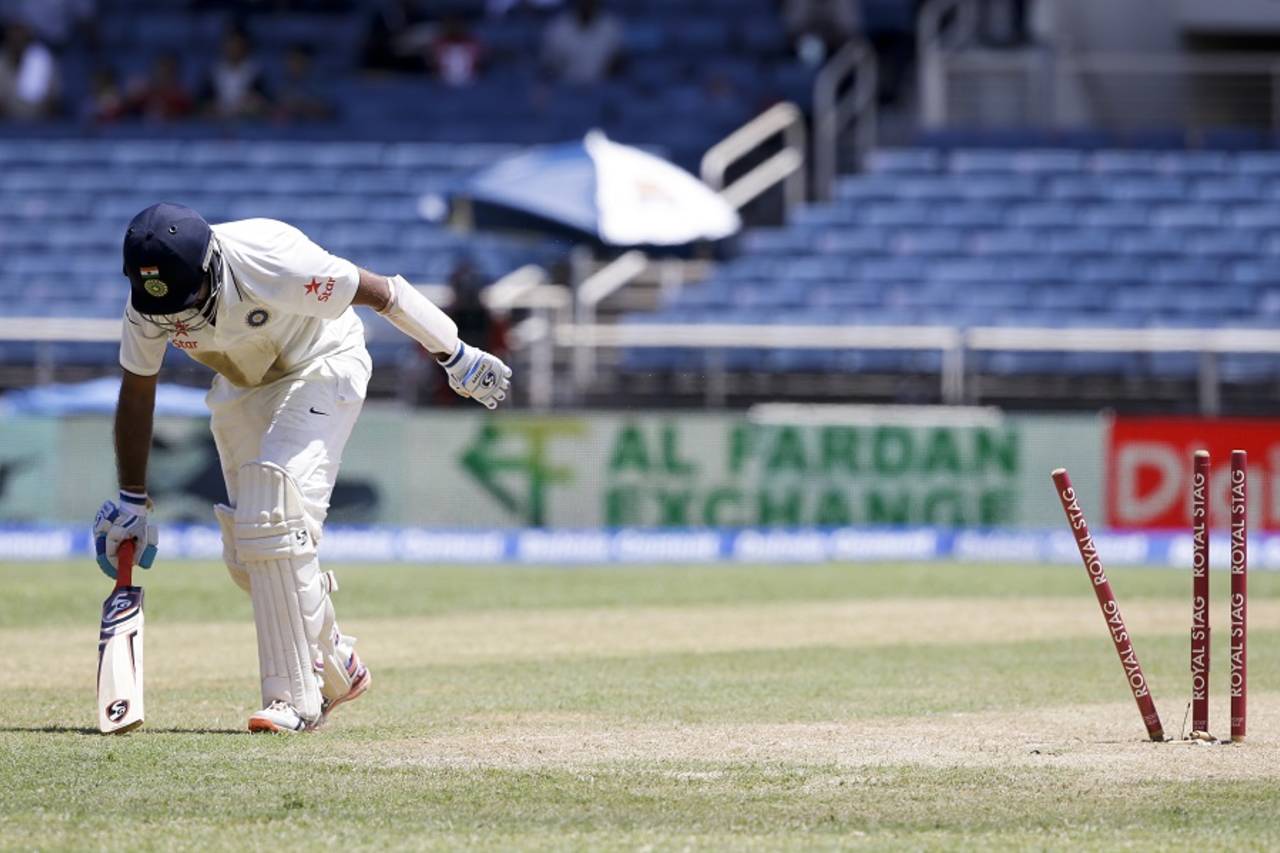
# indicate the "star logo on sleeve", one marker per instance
pixel 322 290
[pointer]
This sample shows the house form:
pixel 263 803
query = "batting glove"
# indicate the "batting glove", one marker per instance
pixel 117 522
pixel 477 374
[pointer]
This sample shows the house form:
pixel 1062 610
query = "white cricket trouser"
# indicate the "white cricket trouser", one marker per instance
pixel 302 425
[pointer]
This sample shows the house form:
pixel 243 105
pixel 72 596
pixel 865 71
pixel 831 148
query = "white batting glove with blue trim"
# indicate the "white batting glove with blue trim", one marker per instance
pixel 117 522
pixel 477 374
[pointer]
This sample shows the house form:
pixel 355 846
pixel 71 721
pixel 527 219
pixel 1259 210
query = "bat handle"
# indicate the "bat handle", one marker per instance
pixel 124 563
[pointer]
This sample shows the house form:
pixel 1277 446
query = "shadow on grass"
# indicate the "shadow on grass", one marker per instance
pixel 84 730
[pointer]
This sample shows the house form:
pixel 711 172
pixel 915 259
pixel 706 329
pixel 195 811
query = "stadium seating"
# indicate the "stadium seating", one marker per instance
pixel 64 205
pixel 1024 237
pixel 694 73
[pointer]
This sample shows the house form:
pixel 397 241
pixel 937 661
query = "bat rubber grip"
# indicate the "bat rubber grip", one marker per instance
pixel 124 563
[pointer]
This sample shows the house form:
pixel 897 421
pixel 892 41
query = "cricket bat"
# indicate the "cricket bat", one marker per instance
pixel 120 707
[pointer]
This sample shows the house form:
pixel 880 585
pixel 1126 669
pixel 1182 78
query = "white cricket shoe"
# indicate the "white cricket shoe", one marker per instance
pixel 279 716
pixel 361 678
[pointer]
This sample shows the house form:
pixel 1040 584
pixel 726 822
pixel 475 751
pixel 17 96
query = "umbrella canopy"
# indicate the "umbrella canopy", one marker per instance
pixel 615 194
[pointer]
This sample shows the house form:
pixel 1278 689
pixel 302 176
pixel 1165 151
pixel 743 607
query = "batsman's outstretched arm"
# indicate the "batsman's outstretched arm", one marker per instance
pixel 472 372
pixel 134 412
pixel 127 519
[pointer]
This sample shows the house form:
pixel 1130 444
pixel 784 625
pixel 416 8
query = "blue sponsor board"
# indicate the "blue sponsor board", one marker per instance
pixel 369 544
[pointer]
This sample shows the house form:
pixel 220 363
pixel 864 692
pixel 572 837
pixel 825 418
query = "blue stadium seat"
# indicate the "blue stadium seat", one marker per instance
pixel 1254 216
pixel 972 215
pixel 904 161
pixel 1189 216
pixel 931 241
pixel 65 205
pixel 1044 215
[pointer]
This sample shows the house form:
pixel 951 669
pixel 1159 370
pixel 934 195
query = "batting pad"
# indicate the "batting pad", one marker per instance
pixel 289 594
pixel 271 521
pixel 226 516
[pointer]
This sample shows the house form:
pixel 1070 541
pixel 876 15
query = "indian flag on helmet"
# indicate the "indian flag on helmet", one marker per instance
pixel 153 284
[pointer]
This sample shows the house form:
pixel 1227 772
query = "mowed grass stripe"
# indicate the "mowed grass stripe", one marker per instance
pixel 178 652
pixel 189 805
pixel 807 683
pixel 71 593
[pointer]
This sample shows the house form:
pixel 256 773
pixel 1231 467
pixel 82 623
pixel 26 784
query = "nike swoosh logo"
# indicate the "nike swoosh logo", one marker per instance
pixel 314 412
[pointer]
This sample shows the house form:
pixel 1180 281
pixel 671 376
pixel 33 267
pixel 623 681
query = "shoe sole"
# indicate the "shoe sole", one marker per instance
pixel 259 725
pixel 357 690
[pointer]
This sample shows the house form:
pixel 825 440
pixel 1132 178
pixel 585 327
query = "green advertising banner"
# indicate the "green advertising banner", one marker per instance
pixel 588 470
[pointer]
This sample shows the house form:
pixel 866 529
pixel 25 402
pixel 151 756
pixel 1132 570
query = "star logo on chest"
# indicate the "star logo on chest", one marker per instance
pixel 181 329
pixel 313 287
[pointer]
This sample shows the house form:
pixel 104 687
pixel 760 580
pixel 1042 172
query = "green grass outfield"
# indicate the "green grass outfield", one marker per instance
pixel 730 707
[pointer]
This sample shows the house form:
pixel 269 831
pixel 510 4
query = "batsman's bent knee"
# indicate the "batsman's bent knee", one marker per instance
pixel 271 520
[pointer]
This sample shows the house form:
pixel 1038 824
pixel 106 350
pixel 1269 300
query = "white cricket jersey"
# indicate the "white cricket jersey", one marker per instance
pixel 284 308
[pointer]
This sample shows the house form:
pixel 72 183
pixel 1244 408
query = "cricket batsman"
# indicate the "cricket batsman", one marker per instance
pixel 271 313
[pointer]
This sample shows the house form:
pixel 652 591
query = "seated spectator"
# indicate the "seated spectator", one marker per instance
pixel 394 40
pixel 161 96
pixel 456 54
pixel 107 101
pixel 28 75
pixel 56 23
pixel 583 45
pixel 235 88
pixel 301 97
pixel 818 28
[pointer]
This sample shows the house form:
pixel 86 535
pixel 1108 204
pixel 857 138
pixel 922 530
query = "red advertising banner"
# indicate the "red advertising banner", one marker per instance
pixel 1149 470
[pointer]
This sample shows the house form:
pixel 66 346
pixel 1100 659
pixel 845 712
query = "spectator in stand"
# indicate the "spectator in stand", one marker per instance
pixel 456 54
pixel 394 40
pixel 28 75
pixel 301 96
pixel 107 101
pixel 818 28
pixel 56 23
pixel 582 45
pixel 235 88
pixel 161 96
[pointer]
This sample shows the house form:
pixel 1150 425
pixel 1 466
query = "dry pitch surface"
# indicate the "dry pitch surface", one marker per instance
pixel 945 707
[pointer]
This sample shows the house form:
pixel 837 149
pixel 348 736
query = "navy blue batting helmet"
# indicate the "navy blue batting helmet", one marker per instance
pixel 166 253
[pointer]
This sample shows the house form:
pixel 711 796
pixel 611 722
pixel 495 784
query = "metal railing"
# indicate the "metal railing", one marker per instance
pixel 786 167
pixel 953 343
pixel 549 327
pixel 836 109
pixel 593 290
pixel 527 288
pixel 941 28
